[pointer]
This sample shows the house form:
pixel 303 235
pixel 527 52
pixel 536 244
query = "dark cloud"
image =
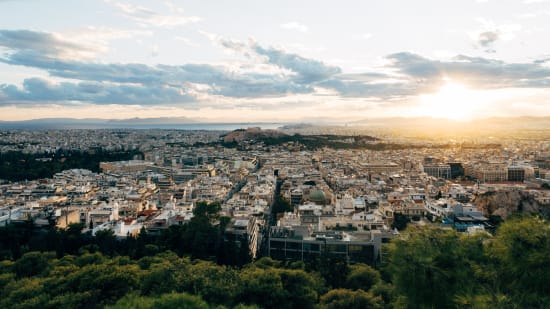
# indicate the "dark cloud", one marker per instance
pixel 415 74
pixel 475 71
pixel 487 38
pixel 414 65
pixel 308 70
pixel 157 79
pixel 134 78
pixel 37 90
pixel 359 89
pixel 39 43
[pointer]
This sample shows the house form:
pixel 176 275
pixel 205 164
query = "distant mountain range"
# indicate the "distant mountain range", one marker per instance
pixel 53 122
pixel 183 123
pixel 197 124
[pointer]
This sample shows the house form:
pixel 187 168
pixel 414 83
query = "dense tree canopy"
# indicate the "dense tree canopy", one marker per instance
pixel 426 268
pixel 434 268
pixel 17 166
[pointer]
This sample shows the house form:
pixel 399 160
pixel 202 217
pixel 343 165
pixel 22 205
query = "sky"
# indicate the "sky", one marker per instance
pixel 235 61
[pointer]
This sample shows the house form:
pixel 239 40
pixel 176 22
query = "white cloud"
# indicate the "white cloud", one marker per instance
pixel 99 37
pixel 231 46
pixel 173 7
pixel 148 17
pixel 186 41
pixel 295 26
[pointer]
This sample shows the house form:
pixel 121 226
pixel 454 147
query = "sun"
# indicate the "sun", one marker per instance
pixel 452 101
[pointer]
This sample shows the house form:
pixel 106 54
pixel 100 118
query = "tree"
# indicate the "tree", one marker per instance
pixel 347 299
pixel 106 241
pixel 429 267
pixel 262 287
pixel 361 276
pixel 281 205
pixel 214 283
pixel 171 300
pixel 522 249
pixel 32 264
pixel 385 292
pixel 175 300
pixel 24 293
pixel 201 236
pixel 71 239
pixel 209 211
pixel 159 280
pixel 400 221
pixel 302 288
pixel 173 238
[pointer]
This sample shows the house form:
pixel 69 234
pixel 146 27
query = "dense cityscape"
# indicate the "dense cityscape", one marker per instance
pixel 308 154
pixel 279 194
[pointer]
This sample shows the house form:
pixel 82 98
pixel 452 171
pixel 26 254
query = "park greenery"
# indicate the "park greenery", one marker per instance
pixel 426 267
pixel 334 141
pixel 19 166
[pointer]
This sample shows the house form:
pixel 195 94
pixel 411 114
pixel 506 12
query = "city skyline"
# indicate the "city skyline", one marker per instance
pixel 273 61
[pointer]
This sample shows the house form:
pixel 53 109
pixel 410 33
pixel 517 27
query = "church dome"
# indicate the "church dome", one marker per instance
pixel 316 195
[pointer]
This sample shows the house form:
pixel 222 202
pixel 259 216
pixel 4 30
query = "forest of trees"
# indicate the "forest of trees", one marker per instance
pixel 18 166
pixel 425 268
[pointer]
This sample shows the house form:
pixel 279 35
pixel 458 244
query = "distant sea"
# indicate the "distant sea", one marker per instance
pixel 30 125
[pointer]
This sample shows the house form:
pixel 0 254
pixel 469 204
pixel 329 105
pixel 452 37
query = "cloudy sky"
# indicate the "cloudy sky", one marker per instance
pixel 274 60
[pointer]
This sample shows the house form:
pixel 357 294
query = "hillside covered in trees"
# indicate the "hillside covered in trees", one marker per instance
pixel 425 268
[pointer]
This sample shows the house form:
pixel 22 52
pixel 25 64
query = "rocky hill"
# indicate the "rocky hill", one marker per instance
pixel 508 202
pixel 250 134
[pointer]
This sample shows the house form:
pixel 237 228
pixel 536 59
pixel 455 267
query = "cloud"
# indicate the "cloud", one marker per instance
pixel 228 44
pixel 220 80
pixel 35 90
pixel 487 38
pixel 413 74
pixel 353 88
pixel 76 44
pixel 186 41
pixel 490 33
pixel 47 44
pixel 476 71
pixel 268 72
pixel 295 26
pixel 307 70
pixel 177 81
pixel 100 37
pixel 148 17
